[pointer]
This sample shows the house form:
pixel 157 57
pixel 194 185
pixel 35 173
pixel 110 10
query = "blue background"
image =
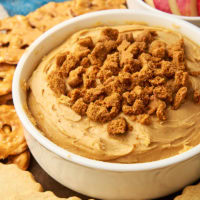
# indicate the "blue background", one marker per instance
pixel 23 7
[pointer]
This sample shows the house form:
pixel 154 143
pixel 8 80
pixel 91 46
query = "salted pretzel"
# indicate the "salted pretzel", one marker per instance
pixel 12 141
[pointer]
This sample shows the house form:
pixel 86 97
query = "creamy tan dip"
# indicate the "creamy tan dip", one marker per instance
pixel 85 137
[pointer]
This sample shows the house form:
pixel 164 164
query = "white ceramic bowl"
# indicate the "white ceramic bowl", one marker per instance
pixel 140 5
pixel 90 177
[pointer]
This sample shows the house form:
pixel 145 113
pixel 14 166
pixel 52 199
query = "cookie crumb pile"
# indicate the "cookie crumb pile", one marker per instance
pixel 138 76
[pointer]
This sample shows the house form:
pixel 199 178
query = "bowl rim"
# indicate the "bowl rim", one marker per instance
pixel 147 6
pixel 65 154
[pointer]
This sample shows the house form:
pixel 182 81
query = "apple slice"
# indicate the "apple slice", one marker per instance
pixel 162 5
pixel 198 7
pixel 187 7
pixel 150 2
pixel 174 7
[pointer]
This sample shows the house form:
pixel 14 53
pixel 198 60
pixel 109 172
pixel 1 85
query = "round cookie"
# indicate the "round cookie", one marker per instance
pixel 15 180
pixel 16 184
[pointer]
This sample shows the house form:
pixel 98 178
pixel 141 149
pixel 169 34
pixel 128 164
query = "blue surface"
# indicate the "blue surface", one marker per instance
pixel 23 7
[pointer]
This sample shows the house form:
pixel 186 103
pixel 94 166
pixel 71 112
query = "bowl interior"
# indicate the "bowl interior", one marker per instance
pixel 56 36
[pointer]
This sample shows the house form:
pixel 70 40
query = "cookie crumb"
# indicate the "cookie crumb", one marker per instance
pixel 117 126
pixel 75 77
pixel 57 82
pixel 161 111
pixel 146 36
pixel 194 73
pixel 60 59
pixel 179 98
pixel 110 34
pixel 144 119
pixel 86 42
pixel 80 107
pixel 160 92
pixel 158 48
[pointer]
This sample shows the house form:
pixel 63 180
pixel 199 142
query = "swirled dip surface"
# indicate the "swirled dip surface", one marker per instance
pixel 122 94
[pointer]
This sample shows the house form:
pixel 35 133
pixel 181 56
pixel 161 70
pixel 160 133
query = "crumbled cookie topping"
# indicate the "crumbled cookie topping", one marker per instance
pixel 117 126
pixel 139 76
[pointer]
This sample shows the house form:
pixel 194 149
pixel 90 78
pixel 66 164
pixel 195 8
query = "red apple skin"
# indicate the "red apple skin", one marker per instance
pixel 162 5
pixel 198 7
pixel 187 7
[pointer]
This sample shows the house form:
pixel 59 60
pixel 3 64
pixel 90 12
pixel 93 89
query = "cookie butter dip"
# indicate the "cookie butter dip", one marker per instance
pixel 123 94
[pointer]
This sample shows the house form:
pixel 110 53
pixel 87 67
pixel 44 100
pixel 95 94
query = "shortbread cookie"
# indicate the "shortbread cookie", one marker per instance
pixel 191 192
pixel 12 141
pixel 15 181
pixel 38 196
pixel 22 160
pixel 16 184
